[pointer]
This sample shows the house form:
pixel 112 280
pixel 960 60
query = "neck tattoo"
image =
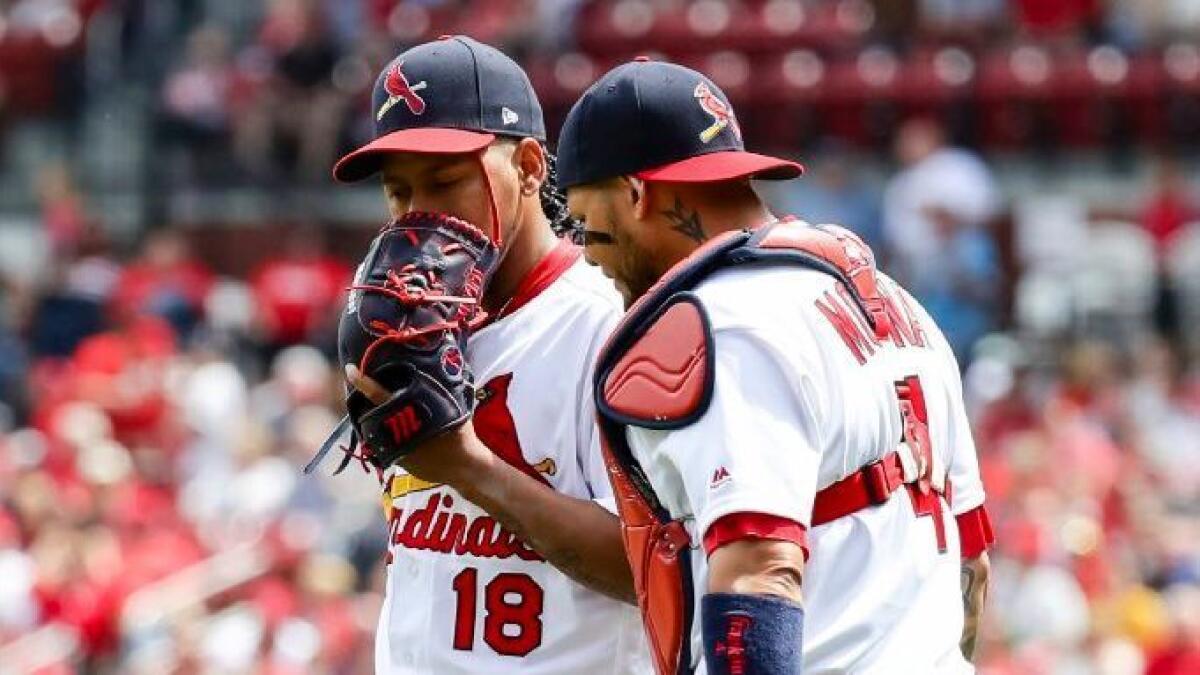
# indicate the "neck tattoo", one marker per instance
pixel 685 221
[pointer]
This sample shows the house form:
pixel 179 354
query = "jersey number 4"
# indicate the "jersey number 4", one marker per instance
pixel 512 621
pixel 915 416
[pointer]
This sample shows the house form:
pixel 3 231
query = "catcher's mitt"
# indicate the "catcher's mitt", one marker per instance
pixel 416 297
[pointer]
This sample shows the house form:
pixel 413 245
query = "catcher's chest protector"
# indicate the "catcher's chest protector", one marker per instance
pixel 656 372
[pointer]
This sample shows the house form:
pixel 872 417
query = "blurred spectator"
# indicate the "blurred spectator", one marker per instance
pixel 961 15
pixel 1169 206
pixel 834 190
pixel 199 100
pixel 1165 213
pixel 14 357
pixel 63 214
pixel 936 216
pixel 1061 17
pixel 63 317
pixel 124 372
pixel 1146 22
pixel 1181 655
pixel 298 290
pixel 1164 407
pixel 896 21
pixel 292 127
pixel 13 365
pixel 555 24
pixel 31 15
pixel 72 306
pixel 164 281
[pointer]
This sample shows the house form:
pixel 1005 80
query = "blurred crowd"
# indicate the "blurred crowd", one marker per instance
pixel 271 91
pixel 157 399
pixel 156 415
pixel 1091 472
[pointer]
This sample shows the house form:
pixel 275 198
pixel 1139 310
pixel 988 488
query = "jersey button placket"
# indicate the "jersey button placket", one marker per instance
pixel 419 580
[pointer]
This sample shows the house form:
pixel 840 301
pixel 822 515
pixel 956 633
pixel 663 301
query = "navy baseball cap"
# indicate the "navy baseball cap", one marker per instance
pixel 661 122
pixel 453 95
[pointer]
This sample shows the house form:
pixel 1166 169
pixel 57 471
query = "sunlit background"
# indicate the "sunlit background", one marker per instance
pixel 172 254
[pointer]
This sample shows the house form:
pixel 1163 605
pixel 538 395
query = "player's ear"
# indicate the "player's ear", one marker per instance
pixel 638 196
pixel 531 165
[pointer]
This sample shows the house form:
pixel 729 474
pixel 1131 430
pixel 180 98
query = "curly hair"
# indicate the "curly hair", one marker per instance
pixel 554 201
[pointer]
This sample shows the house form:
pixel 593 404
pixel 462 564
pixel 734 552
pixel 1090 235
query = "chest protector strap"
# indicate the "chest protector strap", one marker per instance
pixel 656 372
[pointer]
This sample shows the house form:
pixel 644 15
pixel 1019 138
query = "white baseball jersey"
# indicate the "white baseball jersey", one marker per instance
pixel 805 395
pixel 464 595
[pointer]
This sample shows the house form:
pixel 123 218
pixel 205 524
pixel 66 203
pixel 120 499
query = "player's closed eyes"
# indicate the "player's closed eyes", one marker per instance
pixel 444 182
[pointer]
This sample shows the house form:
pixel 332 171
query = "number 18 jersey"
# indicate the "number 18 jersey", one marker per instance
pixel 463 594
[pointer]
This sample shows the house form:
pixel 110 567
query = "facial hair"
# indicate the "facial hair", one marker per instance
pixel 637 272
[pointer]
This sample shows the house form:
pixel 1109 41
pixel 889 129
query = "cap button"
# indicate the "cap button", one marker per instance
pixel 641 59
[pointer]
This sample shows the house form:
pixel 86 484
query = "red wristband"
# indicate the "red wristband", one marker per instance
pixel 974 532
pixel 747 525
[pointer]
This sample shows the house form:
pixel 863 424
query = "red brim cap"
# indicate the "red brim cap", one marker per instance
pixel 365 161
pixel 724 165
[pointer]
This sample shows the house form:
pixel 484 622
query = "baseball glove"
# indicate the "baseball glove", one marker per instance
pixel 415 299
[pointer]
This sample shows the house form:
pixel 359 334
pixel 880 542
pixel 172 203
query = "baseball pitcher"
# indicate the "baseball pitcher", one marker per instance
pixel 469 338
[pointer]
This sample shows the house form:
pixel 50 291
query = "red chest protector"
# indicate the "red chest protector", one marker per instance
pixel 656 372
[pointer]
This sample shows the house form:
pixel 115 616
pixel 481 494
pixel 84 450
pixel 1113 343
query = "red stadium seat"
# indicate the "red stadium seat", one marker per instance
pixel 609 26
pixel 789 91
pixel 27 67
pixel 731 71
pixel 1181 66
pixel 1014 90
pixel 703 26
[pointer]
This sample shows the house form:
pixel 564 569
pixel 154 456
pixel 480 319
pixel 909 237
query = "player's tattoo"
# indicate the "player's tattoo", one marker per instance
pixel 974 590
pixel 685 221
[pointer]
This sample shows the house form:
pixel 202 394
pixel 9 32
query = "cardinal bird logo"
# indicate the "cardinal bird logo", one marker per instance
pixel 398 89
pixel 452 362
pixel 721 114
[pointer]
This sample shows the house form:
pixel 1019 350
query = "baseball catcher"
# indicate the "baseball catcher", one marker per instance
pixel 784 423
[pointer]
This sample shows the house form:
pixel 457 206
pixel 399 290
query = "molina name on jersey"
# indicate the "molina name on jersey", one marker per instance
pixel 805 394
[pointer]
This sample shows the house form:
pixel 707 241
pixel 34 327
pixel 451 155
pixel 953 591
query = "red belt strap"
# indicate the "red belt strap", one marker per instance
pixel 869 486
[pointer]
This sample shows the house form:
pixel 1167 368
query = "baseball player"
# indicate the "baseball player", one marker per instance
pixel 784 425
pixel 504 550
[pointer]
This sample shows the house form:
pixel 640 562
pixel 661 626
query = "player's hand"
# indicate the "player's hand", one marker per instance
pixel 450 458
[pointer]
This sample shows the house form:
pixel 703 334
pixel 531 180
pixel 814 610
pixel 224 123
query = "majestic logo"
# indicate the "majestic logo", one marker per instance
pixel 720 477
pixel 721 113
pixel 395 83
